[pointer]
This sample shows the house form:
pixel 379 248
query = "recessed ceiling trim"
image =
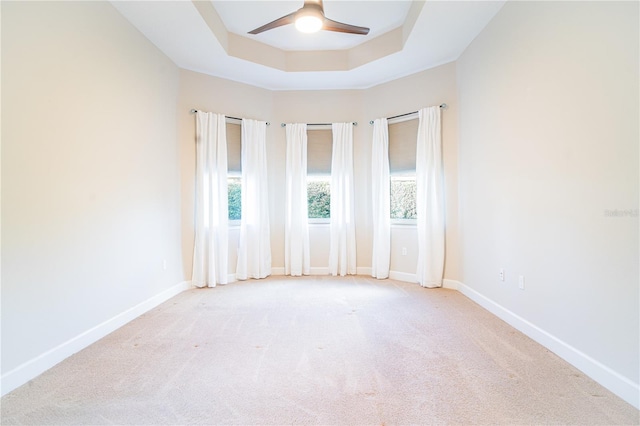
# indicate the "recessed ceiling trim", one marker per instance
pixel 441 33
pixel 318 60
pixel 308 61
pixel 256 52
pixel 213 21
pixel 376 48
pixel 411 19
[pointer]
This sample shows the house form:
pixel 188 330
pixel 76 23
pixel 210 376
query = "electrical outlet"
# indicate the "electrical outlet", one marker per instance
pixel 501 274
pixel 521 282
pixel 164 264
pixel 404 251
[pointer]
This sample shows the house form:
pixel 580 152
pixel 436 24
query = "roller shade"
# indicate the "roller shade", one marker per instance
pixel 234 163
pixel 319 145
pixel 403 137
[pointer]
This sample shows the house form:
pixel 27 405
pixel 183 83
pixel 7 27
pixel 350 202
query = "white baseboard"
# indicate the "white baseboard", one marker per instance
pixel 314 270
pixel 23 373
pixel 610 379
pixel 411 278
pixel 403 276
pixel 320 270
pixel 451 284
pixel 366 270
pixel 278 270
pixel 363 270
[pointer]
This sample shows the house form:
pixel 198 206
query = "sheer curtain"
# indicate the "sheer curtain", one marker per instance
pixel 296 229
pixel 254 249
pixel 342 252
pixel 381 203
pixel 210 251
pixel 430 199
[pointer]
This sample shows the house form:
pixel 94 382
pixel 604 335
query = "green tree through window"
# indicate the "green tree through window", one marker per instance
pixel 319 198
pixel 234 185
pixel 403 198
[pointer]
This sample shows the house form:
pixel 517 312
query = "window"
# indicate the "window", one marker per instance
pixel 235 197
pixel 234 171
pixel 319 197
pixel 403 138
pixel 319 144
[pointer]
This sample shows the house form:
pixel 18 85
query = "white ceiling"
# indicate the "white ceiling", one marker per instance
pixel 441 33
pixel 378 16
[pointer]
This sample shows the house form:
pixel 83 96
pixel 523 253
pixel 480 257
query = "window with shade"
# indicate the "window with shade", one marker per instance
pixel 234 170
pixel 403 138
pixel 319 145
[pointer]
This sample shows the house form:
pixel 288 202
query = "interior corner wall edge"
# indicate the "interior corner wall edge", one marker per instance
pixel 90 178
pixel 548 131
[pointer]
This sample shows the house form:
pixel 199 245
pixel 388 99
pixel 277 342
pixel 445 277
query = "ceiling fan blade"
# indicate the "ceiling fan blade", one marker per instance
pixel 285 20
pixel 331 25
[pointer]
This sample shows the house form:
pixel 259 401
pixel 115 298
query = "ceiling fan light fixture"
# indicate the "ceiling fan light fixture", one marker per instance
pixel 309 19
pixel 308 22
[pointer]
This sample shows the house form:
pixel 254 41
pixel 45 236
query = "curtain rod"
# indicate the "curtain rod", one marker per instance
pixel 443 106
pixel 355 123
pixel 193 111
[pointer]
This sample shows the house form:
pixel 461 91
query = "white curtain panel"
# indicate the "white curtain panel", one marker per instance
pixel 254 249
pixel 380 201
pixel 296 229
pixel 430 206
pixel 210 252
pixel 342 252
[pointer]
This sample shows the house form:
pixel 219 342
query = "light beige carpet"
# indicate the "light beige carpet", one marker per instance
pixel 316 350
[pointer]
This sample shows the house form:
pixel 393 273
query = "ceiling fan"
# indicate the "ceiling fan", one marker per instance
pixel 309 19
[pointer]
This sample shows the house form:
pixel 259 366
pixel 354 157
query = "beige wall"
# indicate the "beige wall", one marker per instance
pixel 408 94
pixel 90 194
pixel 549 109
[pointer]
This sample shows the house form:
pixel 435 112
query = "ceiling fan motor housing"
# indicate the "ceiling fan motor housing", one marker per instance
pixel 309 18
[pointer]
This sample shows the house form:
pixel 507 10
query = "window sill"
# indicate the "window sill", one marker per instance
pixel 403 223
pixel 318 221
